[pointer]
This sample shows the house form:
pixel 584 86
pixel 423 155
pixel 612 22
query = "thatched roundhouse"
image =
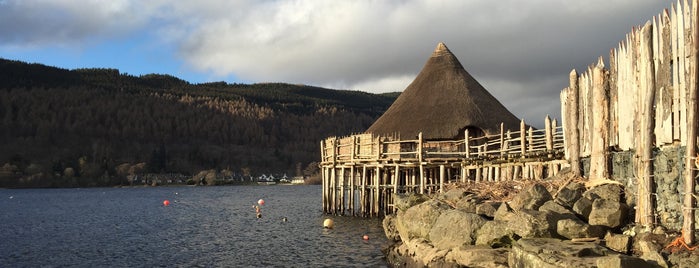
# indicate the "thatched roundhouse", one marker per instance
pixel 442 102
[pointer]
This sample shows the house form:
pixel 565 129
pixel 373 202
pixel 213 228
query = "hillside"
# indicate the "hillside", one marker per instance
pixel 83 127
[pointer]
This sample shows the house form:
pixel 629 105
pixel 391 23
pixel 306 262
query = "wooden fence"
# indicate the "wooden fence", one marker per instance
pixel 644 100
pixel 362 172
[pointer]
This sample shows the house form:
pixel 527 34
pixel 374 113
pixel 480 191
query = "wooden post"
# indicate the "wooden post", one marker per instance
pixel 548 135
pixel 377 184
pixel 574 139
pixel 441 178
pixel 363 199
pixel 324 178
pixel 502 139
pixel 690 153
pixel 645 147
pixel 522 139
pixel 422 166
pixel 342 191
pixel 530 137
pixel 599 167
pixel 352 193
pixel 396 181
pixel 467 147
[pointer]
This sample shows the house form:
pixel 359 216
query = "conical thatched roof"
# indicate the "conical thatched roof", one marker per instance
pixel 441 102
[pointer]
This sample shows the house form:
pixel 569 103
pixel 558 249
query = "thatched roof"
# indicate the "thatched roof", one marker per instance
pixel 441 102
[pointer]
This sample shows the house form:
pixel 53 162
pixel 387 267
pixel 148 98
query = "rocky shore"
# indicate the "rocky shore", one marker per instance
pixel 557 222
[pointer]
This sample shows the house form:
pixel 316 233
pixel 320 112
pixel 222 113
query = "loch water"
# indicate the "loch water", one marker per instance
pixel 201 227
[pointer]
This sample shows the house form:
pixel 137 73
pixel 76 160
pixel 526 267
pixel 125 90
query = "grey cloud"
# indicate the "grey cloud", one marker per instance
pixel 39 23
pixel 521 51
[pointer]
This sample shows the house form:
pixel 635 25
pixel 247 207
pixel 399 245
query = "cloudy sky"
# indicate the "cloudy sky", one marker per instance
pixel 521 51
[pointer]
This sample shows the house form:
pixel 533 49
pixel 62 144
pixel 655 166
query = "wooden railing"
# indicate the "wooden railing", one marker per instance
pixel 507 146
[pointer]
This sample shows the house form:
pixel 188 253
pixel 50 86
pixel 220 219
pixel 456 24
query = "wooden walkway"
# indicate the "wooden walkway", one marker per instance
pixel 362 172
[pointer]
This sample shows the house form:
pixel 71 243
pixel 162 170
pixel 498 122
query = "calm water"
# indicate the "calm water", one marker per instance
pixel 202 227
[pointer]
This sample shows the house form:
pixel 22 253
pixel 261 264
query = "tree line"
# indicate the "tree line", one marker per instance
pixel 68 128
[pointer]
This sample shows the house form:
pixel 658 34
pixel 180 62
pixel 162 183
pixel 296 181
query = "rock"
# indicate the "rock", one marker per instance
pixel 389 227
pixel 405 201
pixel 622 261
pixel 425 255
pixel 575 228
pixel 417 221
pixel 608 213
pixel 487 209
pixel 455 228
pixel 611 192
pixel 504 212
pixel 531 198
pixel 532 223
pixel 561 211
pixel 478 256
pixel 618 242
pixel 495 235
pixel 551 252
pixel 467 204
pixel 649 250
pixel 683 259
pixel 570 194
pixel 582 207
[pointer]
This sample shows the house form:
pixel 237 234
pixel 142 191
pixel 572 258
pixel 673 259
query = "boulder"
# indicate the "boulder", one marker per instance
pixel 389 227
pixel 531 198
pixel 405 201
pixel 455 228
pixel 649 250
pixel 608 213
pixel 487 209
pixel 417 221
pixel 611 192
pixel 622 261
pixel 582 207
pixel 533 223
pixel 495 234
pixel 478 256
pixel 423 254
pixel 570 194
pixel 551 252
pixel 559 210
pixel 683 259
pixel 618 242
pixel 575 228
pixel 504 213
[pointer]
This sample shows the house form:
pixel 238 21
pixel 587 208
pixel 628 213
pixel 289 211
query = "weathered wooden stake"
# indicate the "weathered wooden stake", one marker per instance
pixel 574 132
pixel 690 153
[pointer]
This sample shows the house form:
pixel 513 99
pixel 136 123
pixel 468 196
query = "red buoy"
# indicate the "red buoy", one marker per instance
pixel 166 203
pixel 261 202
pixel 365 237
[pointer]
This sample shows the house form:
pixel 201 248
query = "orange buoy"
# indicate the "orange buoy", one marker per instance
pixel 365 237
pixel 166 203
pixel 261 202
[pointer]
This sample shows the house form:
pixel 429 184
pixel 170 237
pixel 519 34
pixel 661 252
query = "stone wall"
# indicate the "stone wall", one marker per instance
pixel 668 167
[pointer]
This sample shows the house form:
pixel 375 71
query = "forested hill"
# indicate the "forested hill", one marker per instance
pixel 91 127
